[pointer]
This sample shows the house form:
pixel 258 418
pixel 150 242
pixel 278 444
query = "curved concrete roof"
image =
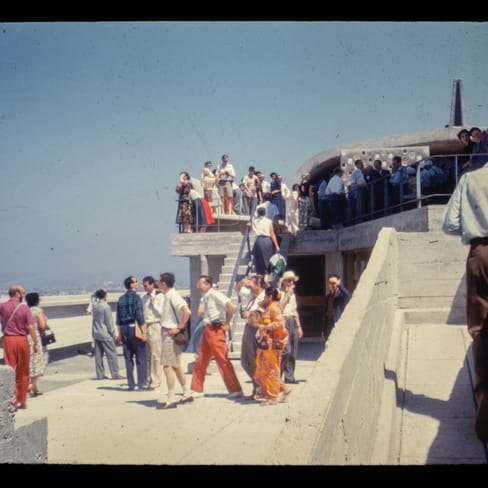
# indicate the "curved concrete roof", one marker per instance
pixel 440 141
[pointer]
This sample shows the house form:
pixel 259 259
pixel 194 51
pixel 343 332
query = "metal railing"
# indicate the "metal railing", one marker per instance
pixel 245 242
pixel 381 198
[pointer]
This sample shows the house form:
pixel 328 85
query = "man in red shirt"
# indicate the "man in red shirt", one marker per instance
pixel 17 321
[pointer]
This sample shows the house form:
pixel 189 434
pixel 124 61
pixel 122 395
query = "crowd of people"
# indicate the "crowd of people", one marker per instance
pixel 219 191
pixel 145 326
pixel 337 200
pixel 269 348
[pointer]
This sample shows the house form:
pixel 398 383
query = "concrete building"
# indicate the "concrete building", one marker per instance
pixel 394 383
pixel 223 252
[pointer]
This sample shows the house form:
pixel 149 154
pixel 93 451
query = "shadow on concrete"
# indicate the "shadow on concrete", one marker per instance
pixel 113 388
pixel 455 441
pixel 65 352
pixel 145 403
pixel 457 313
pixel 311 351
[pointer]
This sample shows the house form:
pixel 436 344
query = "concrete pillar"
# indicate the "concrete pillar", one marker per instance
pixel 195 272
pixel 203 264
pixel 333 264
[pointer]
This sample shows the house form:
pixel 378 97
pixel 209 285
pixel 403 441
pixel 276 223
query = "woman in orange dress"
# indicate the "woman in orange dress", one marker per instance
pixel 272 339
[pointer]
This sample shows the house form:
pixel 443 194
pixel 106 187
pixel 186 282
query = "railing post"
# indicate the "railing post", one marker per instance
pixel 418 187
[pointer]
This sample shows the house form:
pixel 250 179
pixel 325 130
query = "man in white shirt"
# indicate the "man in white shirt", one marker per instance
pixel 466 214
pixel 335 192
pixel 292 324
pixel 225 178
pixel 175 314
pixel 151 304
pixel 357 186
pixel 249 182
pixel 217 311
pixel 264 185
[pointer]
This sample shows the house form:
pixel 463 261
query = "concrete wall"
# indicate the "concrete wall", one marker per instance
pixel 432 269
pixel 347 412
pixel 338 413
pixel 364 235
pixel 23 442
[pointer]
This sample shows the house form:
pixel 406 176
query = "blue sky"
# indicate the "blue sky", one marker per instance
pixel 97 119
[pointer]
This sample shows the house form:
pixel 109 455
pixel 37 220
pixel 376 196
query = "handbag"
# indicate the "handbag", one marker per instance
pixel 263 342
pixel 277 345
pixel 181 337
pixel 47 337
pixel 139 333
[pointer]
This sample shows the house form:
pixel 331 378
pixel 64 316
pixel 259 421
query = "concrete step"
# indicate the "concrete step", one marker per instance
pixel 230 269
pixel 441 315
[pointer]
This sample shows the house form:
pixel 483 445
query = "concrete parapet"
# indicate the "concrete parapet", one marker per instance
pixel 204 243
pixel 350 410
pixel 26 442
pixel 432 269
pixel 364 235
pixel 338 414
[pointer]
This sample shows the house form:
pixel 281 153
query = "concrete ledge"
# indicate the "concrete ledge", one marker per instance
pixel 203 243
pixel 21 442
pixel 336 419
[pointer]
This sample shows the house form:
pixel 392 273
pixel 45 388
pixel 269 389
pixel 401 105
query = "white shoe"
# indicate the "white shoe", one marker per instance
pixel 197 394
pixel 236 394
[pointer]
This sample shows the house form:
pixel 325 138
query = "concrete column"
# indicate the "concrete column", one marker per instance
pixel 195 272
pixel 333 264
pixel 203 264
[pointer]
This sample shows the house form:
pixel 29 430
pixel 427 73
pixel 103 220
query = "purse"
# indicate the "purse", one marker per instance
pixel 139 332
pixel 263 342
pixel 181 337
pixel 277 345
pixel 47 337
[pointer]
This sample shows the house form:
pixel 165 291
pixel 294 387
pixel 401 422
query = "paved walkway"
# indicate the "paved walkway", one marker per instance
pixel 438 403
pixel 101 422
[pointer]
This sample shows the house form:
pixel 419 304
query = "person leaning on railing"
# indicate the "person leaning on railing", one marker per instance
pixel 479 149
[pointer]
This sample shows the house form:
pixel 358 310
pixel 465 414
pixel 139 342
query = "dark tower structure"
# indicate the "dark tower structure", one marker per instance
pixel 457 105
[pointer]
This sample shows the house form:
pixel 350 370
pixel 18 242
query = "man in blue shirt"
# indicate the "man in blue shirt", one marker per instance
pixel 132 333
pixel 466 214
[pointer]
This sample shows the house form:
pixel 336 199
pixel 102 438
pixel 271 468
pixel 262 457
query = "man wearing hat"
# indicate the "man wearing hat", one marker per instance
pixel 292 324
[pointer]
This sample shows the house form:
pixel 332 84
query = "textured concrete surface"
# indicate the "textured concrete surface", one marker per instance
pixel 438 403
pixel 101 422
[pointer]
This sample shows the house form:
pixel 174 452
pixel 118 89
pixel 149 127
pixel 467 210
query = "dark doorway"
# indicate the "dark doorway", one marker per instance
pixel 310 291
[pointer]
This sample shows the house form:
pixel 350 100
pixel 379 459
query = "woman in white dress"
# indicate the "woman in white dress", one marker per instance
pixel 38 362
